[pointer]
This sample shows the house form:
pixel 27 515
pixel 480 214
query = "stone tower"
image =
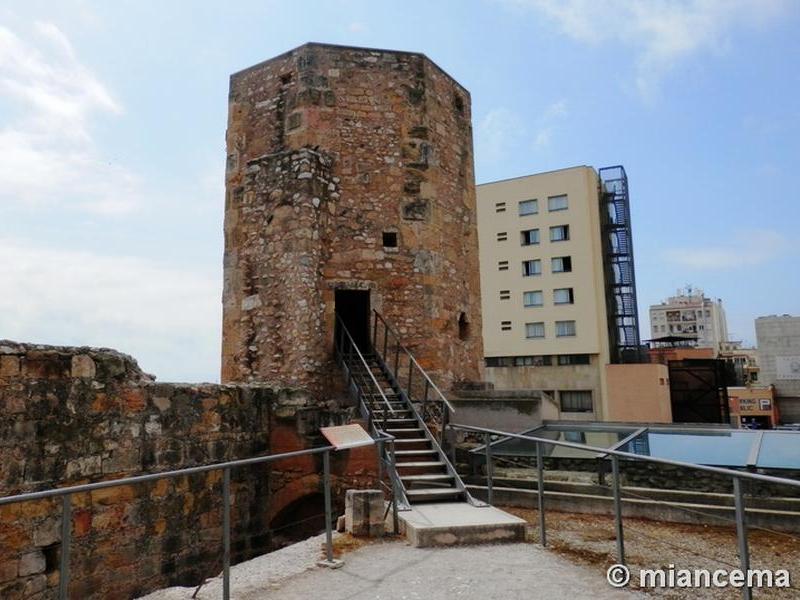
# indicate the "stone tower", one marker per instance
pixel 349 187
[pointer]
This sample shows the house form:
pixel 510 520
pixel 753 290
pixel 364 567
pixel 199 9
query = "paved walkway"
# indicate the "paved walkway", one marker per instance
pixel 397 571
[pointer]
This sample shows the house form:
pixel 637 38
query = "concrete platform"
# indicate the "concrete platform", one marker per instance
pixel 453 523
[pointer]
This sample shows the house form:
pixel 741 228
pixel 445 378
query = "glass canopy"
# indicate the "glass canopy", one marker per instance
pixel 718 446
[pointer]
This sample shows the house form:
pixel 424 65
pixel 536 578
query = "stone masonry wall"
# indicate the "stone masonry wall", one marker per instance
pixel 388 139
pixel 279 238
pixel 78 415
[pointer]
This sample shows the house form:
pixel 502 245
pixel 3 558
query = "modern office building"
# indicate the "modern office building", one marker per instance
pixel 779 360
pixel 558 289
pixel 691 316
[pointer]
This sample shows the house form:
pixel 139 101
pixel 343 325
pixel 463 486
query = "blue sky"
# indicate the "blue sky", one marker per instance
pixel 112 121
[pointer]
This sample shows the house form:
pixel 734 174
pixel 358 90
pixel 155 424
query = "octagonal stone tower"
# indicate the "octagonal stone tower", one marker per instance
pixel 349 187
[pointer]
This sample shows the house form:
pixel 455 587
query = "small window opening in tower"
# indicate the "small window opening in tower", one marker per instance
pixel 458 102
pixel 286 78
pixel 463 327
pixel 390 239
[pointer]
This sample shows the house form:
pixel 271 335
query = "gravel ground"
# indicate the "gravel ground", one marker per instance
pixel 393 570
pixel 589 540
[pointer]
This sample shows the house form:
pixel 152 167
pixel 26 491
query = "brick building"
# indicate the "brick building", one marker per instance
pixel 350 187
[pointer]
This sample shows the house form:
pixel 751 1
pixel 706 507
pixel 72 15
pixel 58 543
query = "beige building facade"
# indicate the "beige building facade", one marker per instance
pixel 545 324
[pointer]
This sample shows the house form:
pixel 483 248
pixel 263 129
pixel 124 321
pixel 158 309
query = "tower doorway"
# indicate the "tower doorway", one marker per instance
pixel 352 307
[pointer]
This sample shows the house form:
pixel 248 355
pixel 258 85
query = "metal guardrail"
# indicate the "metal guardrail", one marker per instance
pixel 429 384
pixel 346 350
pixel 389 339
pixel 66 494
pixel 615 455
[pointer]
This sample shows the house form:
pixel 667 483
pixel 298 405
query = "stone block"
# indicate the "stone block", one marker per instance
pixel 363 512
pixel 32 563
pixel 8 570
pixel 83 366
pixel 35 585
pixel 9 366
pixel 47 532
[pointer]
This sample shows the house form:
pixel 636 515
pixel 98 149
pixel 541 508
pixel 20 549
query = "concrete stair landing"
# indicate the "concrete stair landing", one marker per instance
pixel 453 523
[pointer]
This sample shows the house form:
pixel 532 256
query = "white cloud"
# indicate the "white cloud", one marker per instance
pixel 356 27
pixel 547 122
pixel 49 156
pixel 163 316
pixel 503 131
pixel 662 32
pixel 498 133
pixel 747 249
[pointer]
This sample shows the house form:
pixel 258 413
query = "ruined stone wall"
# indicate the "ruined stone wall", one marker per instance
pixel 391 137
pixel 78 415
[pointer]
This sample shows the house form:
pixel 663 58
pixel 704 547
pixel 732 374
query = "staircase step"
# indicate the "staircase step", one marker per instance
pixel 394 405
pixel 400 421
pixel 406 432
pixel 433 494
pixel 412 441
pixel 427 477
pixel 402 453
pixel 397 413
pixel 420 464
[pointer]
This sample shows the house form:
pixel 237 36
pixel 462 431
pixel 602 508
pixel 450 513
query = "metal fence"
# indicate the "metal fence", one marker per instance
pixel 615 456
pixel 67 492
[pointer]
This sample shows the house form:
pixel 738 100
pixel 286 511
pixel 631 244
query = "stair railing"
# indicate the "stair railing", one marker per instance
pixel 435 408
pixel 348 355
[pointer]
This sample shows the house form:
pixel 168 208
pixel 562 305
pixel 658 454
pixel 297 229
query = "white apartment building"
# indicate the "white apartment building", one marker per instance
pixel 545 285
pixel 692 316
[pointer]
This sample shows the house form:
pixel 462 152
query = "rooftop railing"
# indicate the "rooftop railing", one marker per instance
pixel 615 456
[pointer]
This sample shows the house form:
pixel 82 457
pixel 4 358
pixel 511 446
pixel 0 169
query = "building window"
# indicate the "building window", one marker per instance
pixel 559 233
pixel 534 330
pixel 390 239
pixel 563 296
pixel 561 264
pixel 505 325
pixel 505 294
pixel 576 401
pixel 533 298
pixel 532 361
pixel 498 361
pixel 531 267
pixel 557 203
pixel 565 328
pixel 573 359
pixel 528 207
pixel 530 237
pixel 502 265
pixel 502 236
pixel 500 207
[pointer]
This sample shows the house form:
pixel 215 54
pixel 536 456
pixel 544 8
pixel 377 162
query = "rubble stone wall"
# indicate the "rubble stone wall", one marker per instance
pixel 329 148
pixel 70 416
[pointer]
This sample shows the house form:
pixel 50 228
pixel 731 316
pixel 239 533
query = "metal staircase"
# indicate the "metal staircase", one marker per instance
pixel 405 419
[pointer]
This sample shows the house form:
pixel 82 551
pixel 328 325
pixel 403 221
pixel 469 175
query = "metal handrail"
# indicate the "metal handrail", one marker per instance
pixel 621 454
pixel 66 515
pixel 736 478
pixel 413 360
pixel 364 363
